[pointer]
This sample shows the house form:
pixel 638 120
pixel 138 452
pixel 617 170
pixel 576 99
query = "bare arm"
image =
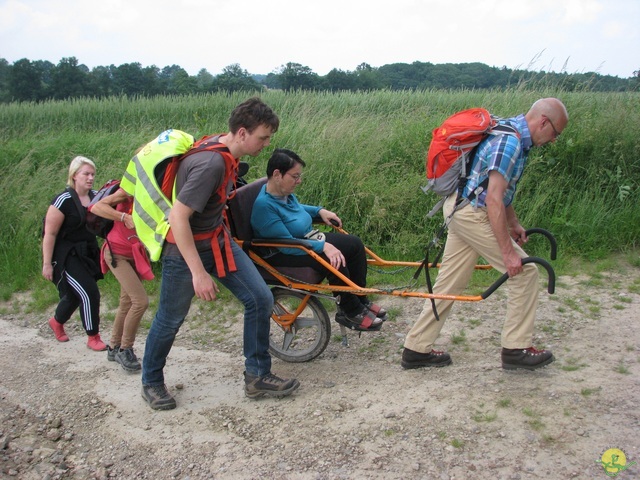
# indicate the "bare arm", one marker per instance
pixel 52 223
pixel 516 231
pixel 105 208
pixel 328 215
pixel 500 218
pixel 204 286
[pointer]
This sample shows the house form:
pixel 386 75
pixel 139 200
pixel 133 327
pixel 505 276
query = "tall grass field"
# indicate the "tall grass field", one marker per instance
pixel 365 160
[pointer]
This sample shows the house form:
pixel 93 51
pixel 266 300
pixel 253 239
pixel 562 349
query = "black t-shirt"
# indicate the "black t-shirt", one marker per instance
pixel 73 236
pixel 72 227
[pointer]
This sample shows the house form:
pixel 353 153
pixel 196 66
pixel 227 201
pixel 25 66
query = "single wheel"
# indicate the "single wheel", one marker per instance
pixel 302 326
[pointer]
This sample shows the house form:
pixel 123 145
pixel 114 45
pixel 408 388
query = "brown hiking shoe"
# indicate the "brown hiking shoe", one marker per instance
pixel 269 385
pixel 411 359
pixel 525 358
pixel 158 397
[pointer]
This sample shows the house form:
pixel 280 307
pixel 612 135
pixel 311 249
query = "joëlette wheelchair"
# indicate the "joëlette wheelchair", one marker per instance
pixel 303 326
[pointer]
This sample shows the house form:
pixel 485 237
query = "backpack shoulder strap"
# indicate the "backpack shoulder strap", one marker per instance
pixel 81 210
pixel 502 127
pixel 204 144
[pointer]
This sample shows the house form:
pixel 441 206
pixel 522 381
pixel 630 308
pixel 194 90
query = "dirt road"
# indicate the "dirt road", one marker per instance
pixel 67 413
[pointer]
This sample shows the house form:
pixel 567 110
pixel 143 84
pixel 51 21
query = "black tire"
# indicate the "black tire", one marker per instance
pixel 309 334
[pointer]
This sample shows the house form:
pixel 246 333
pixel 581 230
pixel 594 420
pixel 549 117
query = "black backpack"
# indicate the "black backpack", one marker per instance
pixel 95 224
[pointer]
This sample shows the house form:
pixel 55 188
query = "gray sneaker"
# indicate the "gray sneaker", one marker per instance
pixel 158 397
pixel 269 385
pixel 111 352
pixel 128 360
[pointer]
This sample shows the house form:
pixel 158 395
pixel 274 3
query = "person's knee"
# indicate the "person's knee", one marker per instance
pixel 262 298
pixel 139 305
pixel 140 302
pixel 266 300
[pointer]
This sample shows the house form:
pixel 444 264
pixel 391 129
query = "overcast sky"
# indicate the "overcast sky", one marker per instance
pixel 552 35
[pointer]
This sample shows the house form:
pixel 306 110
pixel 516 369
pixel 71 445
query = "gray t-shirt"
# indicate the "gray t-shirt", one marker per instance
pixel 197 182
pixel 198 179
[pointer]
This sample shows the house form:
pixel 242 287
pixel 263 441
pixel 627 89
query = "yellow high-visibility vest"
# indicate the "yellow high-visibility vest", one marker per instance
pixel 144 180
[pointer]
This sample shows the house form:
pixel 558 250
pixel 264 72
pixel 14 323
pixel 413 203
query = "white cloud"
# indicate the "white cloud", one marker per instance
pixel 580 11
pixel 261 36
pixel 613 29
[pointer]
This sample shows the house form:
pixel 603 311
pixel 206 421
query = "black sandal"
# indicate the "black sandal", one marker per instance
pixel 365 321
pixel 376 309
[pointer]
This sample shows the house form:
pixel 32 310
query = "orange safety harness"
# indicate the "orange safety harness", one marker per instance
pixel 231 174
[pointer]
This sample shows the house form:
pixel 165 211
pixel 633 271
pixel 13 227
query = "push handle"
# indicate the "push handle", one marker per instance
pixel 546 233
pixel 551 288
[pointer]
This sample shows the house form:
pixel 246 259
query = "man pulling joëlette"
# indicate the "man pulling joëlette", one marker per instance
pixel 489 227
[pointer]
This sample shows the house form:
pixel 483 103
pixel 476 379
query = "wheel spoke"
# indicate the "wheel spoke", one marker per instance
pixel 306 322
pixel 303 326
pixel 286 341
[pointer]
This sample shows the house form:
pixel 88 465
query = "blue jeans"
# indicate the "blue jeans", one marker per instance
pixel 176 293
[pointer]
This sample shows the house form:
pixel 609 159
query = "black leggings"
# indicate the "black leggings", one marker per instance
pixel 78 288
pixel 356 269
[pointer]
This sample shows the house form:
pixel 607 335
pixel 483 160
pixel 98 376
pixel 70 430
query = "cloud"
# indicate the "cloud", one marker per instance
pixel 342 34
pixel 580 11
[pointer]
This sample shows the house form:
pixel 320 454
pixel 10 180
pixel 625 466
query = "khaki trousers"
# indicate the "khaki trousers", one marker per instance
pixel 133 301
pixel 470 236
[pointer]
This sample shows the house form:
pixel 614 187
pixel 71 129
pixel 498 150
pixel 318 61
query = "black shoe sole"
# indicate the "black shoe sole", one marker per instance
pixel 410 366
pixel 345 322
pixel 131 370
pixel 128 369
pixel 511 366
pixel 272 393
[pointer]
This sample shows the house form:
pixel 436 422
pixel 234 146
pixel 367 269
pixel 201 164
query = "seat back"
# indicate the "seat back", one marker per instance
pixel 240 208
pixel 239 215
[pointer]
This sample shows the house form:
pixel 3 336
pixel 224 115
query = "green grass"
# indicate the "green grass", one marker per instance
pixel 374 345
pixel 474 322
pixel 365 160
pixel 572 364
pixel 485 416
pixel 586 392
pixel 622 369
pixel 459 338
pixel 455 443
pixel 534 419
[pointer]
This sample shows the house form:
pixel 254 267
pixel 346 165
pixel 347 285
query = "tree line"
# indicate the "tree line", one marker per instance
pixel 39 80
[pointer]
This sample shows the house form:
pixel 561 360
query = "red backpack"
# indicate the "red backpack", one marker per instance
pixel 450 151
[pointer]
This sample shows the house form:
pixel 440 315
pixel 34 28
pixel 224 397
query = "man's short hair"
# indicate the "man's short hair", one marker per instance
pixel 252 113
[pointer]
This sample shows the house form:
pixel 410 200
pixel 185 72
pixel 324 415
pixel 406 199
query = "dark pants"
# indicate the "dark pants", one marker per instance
pixel 356 269
pixel 176 293
pixel 78 288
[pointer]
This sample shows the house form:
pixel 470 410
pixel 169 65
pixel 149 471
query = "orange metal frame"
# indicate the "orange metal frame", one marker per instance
pixel 349 286
pixel 287 319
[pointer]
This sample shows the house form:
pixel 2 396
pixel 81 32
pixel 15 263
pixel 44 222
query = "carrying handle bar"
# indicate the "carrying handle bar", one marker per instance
pixel 551 288
pixel 549 235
